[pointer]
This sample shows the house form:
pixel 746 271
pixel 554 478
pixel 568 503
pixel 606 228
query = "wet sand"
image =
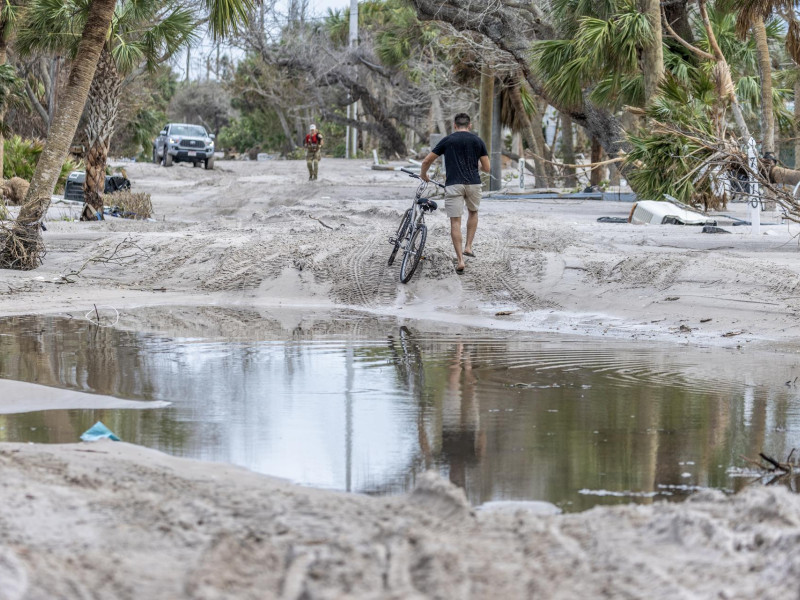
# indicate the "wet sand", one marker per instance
pixel 19 396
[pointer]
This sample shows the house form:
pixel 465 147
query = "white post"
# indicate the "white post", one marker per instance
pixel 754 201
pixel 521 173
pixel 347 136
pixel 353 43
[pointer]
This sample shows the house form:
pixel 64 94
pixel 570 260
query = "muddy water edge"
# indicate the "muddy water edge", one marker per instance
pixel 349 401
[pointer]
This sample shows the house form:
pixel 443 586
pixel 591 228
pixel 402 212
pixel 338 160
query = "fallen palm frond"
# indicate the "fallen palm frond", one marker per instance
pixel 129 205
pixel 692 165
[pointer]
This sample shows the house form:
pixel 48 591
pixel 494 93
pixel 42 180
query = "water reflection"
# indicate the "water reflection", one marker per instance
pixel 351 402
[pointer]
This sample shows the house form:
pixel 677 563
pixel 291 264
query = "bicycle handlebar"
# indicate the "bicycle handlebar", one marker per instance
pixel 412 174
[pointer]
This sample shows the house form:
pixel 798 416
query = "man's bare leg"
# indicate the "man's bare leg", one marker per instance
pixel 455 234
pixel 472 226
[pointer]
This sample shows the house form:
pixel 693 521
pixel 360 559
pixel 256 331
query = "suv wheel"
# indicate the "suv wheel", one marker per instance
pixel 167 158
pixel 210 162
pixel 156 160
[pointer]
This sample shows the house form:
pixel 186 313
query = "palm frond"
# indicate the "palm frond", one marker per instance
pixel 748 91
pixel 51 26
pixel 226 17
pixel 127 55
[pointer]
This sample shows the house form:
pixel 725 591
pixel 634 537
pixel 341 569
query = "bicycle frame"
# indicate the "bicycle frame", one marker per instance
pixel 417 217
pixel 412 226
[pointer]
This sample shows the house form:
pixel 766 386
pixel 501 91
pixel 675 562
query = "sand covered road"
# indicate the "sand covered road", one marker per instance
pixel 115 520
pixel 257 233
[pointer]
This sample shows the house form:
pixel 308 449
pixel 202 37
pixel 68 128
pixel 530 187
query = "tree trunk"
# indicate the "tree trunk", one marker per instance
pixel 677 13
pixel 797 120
pixel 101 117
pixel 300 130
pixel 542 180
pixel 487 102
pixel 767 116
pixel 596 176
pixel 790 177
pixel 3 57
pixel 537 127
pixel 52 96
pixel 496 153
pixel 287 132
pixel 568 151
pixel 438 117
pixel 23 247
pixel 391 140
pixel 614 176
pixel 652 58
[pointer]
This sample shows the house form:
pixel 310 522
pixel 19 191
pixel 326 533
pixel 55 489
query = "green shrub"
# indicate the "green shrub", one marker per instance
pixel 21 156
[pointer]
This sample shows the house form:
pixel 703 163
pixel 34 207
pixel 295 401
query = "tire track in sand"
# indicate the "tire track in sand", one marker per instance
pixel 490 276
pixel 366 278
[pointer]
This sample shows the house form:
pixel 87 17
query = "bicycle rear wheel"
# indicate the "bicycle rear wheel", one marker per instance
pixel 413 254
pixel 401 233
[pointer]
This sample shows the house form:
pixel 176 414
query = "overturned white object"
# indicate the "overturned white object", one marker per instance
pixel 651 212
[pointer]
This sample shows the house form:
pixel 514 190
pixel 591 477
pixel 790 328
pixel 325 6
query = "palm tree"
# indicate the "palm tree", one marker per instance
pixel 752 16
pixel 9 13
pixel 652 55
pixel 23 245
pixel 144 34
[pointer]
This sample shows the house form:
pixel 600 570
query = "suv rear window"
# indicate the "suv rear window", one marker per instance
pixel 190 130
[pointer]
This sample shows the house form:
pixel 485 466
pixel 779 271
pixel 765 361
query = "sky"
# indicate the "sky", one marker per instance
pixel 317 8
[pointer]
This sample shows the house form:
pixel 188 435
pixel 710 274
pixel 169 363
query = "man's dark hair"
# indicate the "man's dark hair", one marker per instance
pixel 462 120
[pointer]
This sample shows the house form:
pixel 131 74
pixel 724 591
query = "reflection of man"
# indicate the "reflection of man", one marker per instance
pixel 462 441
pixel 313 145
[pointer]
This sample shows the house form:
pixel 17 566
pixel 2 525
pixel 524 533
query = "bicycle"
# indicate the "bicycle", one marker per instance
pixel 412 232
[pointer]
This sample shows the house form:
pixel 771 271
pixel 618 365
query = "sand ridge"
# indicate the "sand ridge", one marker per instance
pixel 257 233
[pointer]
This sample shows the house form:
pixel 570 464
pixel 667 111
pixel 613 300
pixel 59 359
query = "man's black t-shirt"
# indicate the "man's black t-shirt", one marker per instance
pixel 462 150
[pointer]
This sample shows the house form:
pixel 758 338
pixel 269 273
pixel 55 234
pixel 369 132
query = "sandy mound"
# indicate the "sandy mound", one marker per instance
pixel 116 520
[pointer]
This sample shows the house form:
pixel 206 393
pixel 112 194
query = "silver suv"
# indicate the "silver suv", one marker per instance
pixel 179 142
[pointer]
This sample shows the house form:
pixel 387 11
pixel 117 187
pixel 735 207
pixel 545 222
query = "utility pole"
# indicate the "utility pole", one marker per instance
pixel 496 152
pixel 353 43
pixel 486 110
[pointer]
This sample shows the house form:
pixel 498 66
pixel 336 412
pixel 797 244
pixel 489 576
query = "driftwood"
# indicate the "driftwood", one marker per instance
pixel 776 471
pixel 320 221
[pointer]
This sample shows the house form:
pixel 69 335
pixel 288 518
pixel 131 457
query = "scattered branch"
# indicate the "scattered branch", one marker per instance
pixel 125 252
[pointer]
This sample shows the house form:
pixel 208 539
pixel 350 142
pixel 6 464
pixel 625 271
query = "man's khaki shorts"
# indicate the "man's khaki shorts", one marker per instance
pixel 455 196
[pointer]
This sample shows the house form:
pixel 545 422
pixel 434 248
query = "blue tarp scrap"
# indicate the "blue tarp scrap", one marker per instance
pixel 98 431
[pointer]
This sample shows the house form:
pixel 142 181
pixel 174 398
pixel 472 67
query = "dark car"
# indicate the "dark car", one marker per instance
pixel 73 189
pixel 180 142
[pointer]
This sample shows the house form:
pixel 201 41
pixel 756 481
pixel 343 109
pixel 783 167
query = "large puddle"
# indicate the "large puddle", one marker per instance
pixel 352 402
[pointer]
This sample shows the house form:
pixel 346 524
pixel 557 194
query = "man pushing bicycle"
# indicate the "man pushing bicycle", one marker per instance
pixel 464 153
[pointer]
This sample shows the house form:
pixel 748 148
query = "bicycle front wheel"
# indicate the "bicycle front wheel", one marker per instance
pixel 401 233
pixel 413 254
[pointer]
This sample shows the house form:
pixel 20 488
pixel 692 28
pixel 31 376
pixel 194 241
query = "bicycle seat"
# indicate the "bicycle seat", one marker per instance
pixel 427 204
